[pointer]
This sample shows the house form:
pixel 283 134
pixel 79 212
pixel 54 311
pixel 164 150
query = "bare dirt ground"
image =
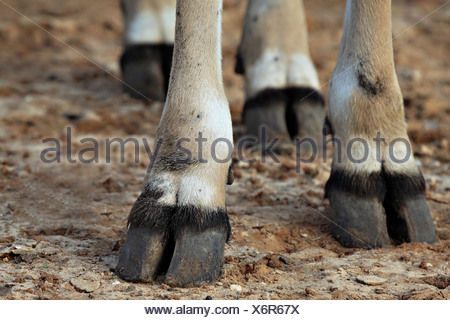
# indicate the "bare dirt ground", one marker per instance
pixel 61 225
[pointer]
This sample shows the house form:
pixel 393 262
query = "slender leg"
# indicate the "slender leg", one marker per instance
pixel 148 41
pixel 179 225
pixel 376 190
pixel 281 81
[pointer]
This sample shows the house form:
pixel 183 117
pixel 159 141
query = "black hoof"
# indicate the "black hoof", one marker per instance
pixel 408 216
pixel 370 210
pixel 144 255
pixel 146 70
pixel 184 242
pixel 305 113
pixel 361 222
pixel 290 112
pixel 267 109
pixel 197 259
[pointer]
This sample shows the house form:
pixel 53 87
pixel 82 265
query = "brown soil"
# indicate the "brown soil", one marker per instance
pixel 61 225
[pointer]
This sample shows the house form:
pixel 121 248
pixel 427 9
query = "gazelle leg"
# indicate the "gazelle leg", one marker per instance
pixel 281 81
pixel 148 40
pixel 376 190
pixel 179 224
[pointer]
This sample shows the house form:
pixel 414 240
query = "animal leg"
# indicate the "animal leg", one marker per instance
pixel 281 81
pixel 376 191
pixel 148 40
pixel 179 225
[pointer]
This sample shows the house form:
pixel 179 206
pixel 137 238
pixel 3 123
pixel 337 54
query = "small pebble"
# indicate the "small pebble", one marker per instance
pixel 310 291
pixel 371 280
pixel 425 265
pixel 379 290
pixel 236 287
pixel 86 283
pixel 285 260
pixel 342 271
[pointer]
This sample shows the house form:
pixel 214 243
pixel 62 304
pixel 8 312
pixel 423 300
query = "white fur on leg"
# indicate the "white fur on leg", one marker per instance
pixel 356 156
pixel 275 70
pixel 164 182
pixel 144 28
pixel 199 184
pixel 168 17
pixel 341 87
pixel 152 26
pixel 399 157
pixel 301 72
pixel 269 71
